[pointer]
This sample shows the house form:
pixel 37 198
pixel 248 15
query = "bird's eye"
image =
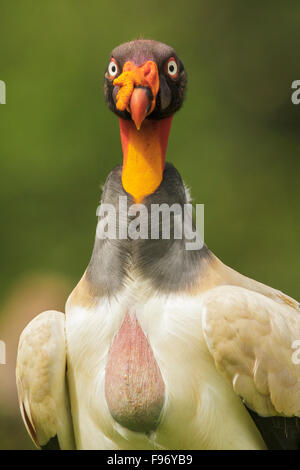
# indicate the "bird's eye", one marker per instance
pixel 113 69
pixel 172 68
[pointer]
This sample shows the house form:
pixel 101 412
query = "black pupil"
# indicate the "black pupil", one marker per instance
pixel 171 68
pixel 113 68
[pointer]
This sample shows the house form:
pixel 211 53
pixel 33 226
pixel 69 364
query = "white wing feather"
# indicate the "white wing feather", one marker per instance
pixel 250 337
pixel 41 380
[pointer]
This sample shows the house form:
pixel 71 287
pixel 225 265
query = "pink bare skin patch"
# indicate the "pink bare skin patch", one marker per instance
pixel 134 387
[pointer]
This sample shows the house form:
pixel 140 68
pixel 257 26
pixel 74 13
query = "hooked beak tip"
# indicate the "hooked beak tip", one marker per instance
pixel 139 106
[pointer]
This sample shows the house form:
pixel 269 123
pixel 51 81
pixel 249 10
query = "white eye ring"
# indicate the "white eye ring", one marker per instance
pixel 112 68
pixel 172 68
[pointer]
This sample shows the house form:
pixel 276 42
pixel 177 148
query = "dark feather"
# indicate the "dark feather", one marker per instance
pixel 53 444
pixel 278 432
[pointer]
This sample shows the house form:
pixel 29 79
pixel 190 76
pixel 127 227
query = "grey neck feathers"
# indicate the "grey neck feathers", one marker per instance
pixel 165 263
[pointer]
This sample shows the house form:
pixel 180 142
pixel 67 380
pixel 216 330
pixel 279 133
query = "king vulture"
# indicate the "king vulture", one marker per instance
pixel 159 347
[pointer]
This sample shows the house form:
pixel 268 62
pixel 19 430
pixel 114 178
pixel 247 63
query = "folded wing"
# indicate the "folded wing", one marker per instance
pixel 42 384
pixel 253 340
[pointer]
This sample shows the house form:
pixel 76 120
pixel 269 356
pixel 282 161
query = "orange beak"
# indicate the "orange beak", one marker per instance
pixel 138 88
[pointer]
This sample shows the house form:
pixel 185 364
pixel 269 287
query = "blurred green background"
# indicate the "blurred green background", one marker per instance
pixel 236 143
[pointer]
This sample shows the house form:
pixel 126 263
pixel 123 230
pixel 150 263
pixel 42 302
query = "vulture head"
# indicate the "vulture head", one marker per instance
pixel 144 79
